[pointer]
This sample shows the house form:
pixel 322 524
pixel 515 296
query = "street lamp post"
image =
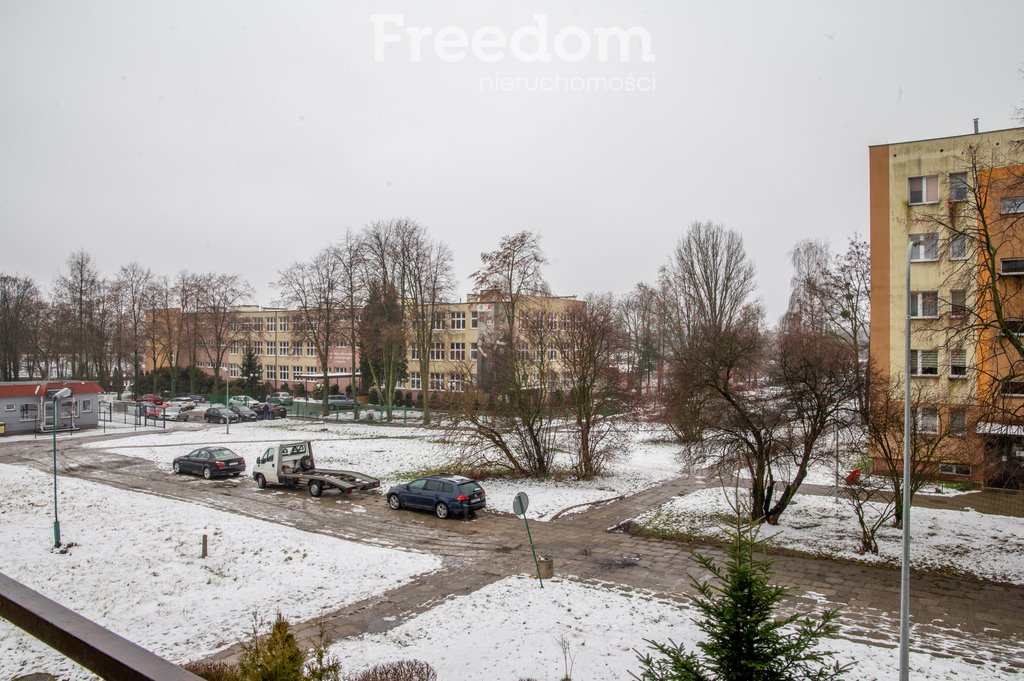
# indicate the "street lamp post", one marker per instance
pixel 59 395
pixel 227 399
pixel 907 453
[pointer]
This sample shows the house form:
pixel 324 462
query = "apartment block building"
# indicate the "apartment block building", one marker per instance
pixel 948 196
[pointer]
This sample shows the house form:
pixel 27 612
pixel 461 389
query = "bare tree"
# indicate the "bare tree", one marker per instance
pixel 134 284
pixel 640 321
pixel 315 290
pixel 810 260
pixel 872 503
pixel 595 388
pixel 353 294
pixel 428 273
pixel 187 294
pixel 77 294
pixel 508 408
pixel 20 298
pixel 930 442
pixel 844 292
pixel 220 296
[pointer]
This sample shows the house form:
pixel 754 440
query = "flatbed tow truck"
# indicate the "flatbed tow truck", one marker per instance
pixel 291 464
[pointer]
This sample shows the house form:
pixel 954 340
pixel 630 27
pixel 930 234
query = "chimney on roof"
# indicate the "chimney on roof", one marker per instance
pixel 975 126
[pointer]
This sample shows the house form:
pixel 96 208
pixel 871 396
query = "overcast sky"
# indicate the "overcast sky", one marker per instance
pixel 244 136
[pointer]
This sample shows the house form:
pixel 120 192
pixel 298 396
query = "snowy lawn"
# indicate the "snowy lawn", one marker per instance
pixel 516 628
pixel 134 566
pixel 393 453
pixel 967 542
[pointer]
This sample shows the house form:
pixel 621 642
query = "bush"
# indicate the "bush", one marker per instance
pixel 300 390
pixel 408 399
pixel 213 671
pixel 403 670
pixel 275 657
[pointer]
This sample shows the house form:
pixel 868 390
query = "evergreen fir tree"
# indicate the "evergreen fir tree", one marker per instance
pixel 744 641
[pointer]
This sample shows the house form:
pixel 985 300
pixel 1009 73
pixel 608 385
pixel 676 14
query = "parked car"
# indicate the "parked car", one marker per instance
pixel 155 399
pixel 243 412
pixel 340 402
pixel 282 398
pixel 277 411
pixel 220 414
pixel 182 402
pixel 172 413
pixel 245 401
pixel 210 462
pixel 444 494
pixel 148 409
pixel 198 399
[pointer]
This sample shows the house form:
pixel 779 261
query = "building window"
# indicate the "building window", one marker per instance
pixel 283 348
pixel 10 406
pixel 257 324
pixel 474 351
pixel 284 324
pixel 958 302
pixel 474 319
pixel 438 321
pixel 1011 266
pixel 924 304
pixel 457 383
pixel 257 348
pixel 271 348
pixel 924 189
pixel 458 320
pixel 926 247
pixel 86 406
pixel 414 380
pixel 1012 205
pixel 284 372
pixel 436 381
pixel 924 362
pixel 954 469
pixel 437 351
pixel 246 324
pixel 1013 388
pixel 958 247
pixel 414 352
pixel 958 186
pixel 310 350
pixel 233 371
pixel 271 323
pixel 458 351
pixel 928 420
pixel 958 420
pixel 958 363
pixel 234 348
pixel 29 412
pixel 1013 327
pixel 271 371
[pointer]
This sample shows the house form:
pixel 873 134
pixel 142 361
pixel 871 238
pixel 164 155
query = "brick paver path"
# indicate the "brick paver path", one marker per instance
pixel 964 618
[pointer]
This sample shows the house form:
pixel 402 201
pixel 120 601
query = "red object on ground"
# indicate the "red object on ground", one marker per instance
pixel 853 476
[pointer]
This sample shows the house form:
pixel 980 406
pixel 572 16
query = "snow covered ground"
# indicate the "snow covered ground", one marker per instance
pixel 516 627
pixel 127 571
pixel 392 453
pixel 987 546
pixel 135 568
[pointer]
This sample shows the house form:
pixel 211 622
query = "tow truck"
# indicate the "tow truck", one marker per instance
pixel 291 464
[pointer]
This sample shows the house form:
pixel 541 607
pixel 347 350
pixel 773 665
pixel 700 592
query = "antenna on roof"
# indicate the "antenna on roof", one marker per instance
pixel 975 126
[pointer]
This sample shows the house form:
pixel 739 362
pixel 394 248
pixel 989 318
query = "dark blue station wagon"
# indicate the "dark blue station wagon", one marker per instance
pixel 444 494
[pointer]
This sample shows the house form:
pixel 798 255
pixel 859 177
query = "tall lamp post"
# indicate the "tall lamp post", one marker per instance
pixel 59 395
pixel 227 399
pixel 907 453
